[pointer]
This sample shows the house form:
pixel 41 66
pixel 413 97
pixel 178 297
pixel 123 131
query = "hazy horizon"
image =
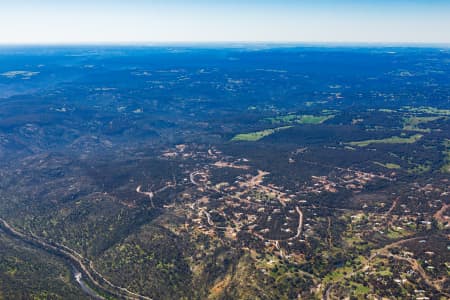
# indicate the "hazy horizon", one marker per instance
pixel 232 44
pixel 248 21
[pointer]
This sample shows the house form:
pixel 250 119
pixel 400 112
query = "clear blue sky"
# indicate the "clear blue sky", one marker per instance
pixel 97 21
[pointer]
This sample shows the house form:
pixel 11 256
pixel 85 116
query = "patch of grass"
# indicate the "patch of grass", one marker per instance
pixel 310 119
pixel 256 136
pixel 388 165
pixel 428 110
pixel 412 123
pixel 392 234
pixel 329 111
pixel 386 110
pixel 300 119
pixel 385 273
pixel 359 289
pixel 392 140
pixel 338 274
pixel 312 103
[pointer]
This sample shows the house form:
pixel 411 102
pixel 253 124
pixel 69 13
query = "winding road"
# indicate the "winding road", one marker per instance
pixel 85 267
pixel 152 194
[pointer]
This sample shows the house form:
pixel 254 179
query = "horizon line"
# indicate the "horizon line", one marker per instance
pixel 230 43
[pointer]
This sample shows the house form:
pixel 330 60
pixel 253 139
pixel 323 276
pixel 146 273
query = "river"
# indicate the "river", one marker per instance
pixel 79 279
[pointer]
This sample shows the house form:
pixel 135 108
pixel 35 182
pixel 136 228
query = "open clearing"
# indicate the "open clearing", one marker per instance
pixel 256 136
pixel 392 140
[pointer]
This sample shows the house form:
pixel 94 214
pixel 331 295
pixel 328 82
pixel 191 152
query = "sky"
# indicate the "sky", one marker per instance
pixel 166 21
